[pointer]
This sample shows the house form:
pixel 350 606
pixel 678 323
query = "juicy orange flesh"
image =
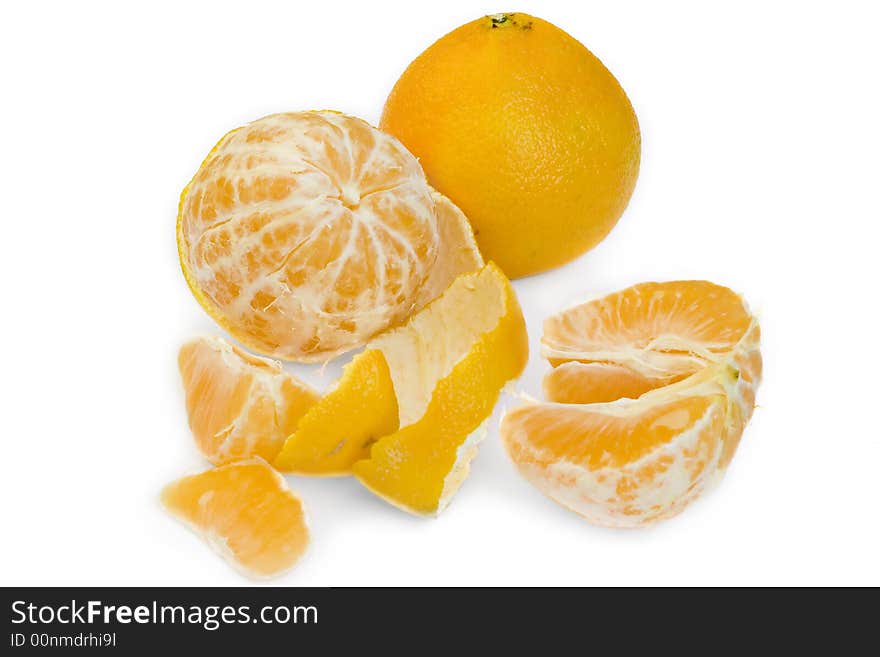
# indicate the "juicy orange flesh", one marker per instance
pixel 214 395
pixel 625 497
pixel 586 383
pixel 239 405
pixel 671 316
pixel 595 439
pixel 342 426
pixel 306 233
pixel 410 468
pixel 246 512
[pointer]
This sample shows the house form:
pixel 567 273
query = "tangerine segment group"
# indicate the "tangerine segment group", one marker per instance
pixel 305 233
pixel 650 392
pixel 245 512
pixel 449 364
pixel 239 405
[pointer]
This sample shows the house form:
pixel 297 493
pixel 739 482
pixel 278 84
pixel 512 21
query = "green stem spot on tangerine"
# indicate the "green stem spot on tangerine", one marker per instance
pixel 506 20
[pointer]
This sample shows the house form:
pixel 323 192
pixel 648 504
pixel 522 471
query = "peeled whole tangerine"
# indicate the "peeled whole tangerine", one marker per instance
pixel 304 234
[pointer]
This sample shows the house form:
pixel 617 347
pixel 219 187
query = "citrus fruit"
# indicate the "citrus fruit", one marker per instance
pixel 526 131
pixel 657 383
pixel 303 234
pixel 448 365
pixel 246 513
pixel 239 405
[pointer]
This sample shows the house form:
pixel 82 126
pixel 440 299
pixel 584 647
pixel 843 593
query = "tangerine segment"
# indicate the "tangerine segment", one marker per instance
pixel 458 249
pixel 305 233
pixel 449 364
pixel 239 405
pixel 663 331
pixel 574 382
pixel 339 429
pixel 630 462
pixel 246 513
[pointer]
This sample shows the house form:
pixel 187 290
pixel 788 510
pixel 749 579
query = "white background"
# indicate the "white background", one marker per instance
pixel 759 170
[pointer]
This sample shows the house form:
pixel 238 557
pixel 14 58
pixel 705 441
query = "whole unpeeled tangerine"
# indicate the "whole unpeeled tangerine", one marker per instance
pixel 526 131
